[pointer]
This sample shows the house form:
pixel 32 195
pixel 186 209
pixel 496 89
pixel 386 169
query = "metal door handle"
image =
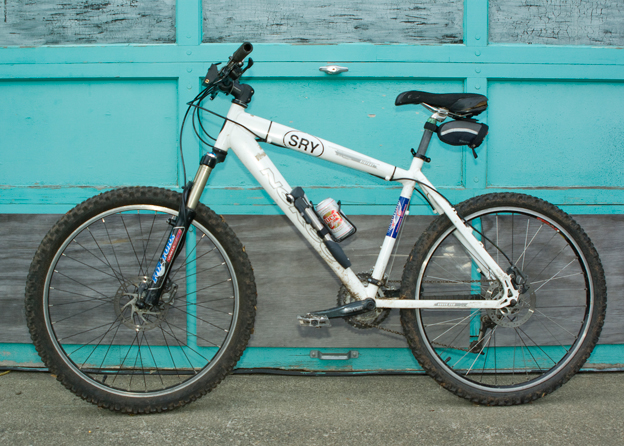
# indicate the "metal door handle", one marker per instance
pixel 351 354
pixel 333 69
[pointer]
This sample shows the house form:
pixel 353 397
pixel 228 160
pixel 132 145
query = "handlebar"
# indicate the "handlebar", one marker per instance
pixel 226 79
pixel 243 51
pixel 233 68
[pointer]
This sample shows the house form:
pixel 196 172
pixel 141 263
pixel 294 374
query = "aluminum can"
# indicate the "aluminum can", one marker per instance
pixel 329 211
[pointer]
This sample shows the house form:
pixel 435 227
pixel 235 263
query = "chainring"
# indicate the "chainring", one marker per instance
pixel 364 320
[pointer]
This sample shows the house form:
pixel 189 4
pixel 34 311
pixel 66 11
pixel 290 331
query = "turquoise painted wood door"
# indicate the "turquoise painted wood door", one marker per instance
pixel 94 95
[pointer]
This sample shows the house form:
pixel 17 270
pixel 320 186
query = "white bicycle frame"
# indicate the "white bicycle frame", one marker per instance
pixel 240 133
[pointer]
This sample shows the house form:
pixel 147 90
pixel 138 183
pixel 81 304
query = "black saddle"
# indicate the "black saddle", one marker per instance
pixel 465 104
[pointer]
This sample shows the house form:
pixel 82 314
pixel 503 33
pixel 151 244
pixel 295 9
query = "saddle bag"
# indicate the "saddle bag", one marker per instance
pixel 466 132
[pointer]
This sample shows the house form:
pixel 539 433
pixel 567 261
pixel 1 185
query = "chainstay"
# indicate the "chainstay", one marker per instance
pixel 399 333
pixel 462 281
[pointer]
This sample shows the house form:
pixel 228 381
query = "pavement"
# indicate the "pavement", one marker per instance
pixel 302 410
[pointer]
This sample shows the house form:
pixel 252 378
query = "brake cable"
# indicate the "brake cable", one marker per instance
pixel 199 98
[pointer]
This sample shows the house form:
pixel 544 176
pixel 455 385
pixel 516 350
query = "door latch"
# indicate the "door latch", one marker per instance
pixel 333 69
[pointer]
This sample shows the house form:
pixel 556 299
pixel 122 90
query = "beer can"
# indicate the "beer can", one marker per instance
pixel 335 220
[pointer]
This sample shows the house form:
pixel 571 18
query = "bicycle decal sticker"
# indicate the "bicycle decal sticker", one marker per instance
pixel 167 254
pixel 304 142
pixel 397 218
pixel 350 157
pixel 159 271
pixel 175 244
pixel 544 221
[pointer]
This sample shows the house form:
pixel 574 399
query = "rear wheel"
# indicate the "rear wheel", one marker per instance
pixel 502 357
pixel 82 312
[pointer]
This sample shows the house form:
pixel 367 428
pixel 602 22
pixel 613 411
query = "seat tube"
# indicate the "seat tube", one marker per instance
pixel 391 236
pixel 401 208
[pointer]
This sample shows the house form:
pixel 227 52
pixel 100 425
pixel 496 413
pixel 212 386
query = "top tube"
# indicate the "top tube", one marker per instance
pixel 290 138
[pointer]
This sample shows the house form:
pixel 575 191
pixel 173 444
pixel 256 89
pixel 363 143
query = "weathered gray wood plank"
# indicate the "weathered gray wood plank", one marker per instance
pixel 291 278
pixel 72 22
pixel 557 22
pixel 607 234
pixel 20 235
pixel 338 21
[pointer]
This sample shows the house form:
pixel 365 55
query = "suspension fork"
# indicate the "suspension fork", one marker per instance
pixel 154 287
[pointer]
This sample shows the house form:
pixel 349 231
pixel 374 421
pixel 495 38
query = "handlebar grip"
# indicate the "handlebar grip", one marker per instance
pixel 242 52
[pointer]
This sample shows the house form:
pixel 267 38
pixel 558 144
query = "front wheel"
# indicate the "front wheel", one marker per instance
pixel 504 357
pixel 82 311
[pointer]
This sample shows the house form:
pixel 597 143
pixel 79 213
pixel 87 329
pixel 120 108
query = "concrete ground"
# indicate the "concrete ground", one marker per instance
pixel 287 410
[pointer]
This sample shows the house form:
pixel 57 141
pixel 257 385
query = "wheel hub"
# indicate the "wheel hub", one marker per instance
pixel 517 315
pixel 141 319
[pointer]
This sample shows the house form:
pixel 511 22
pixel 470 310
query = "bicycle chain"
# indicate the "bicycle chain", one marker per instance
pixel 452 347
pixel 379 327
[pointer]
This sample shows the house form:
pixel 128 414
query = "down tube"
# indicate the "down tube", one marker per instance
pixel 262 168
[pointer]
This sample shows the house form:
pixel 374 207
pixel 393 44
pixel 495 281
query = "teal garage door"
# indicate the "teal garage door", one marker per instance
pixel 94 92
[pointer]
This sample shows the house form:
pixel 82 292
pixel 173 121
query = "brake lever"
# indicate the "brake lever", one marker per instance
pixel 237 71
pixel 250 63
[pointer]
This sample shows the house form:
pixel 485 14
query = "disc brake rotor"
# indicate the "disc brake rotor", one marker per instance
pixel 138 319
pixel 517 315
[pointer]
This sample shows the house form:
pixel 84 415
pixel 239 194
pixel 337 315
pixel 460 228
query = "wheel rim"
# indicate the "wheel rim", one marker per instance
pixel 102 337
pixel 491 351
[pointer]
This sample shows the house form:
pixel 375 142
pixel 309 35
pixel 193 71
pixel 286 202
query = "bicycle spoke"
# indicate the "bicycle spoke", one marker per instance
pixel 132 245
pixel 527 246
pixel 81 284
pixel 112 245
pixel 90 298
pixel 200 319
pixel 80 313
pixel 116 273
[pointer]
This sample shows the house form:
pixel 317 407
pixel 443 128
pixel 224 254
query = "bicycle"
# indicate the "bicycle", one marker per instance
pixel 143 299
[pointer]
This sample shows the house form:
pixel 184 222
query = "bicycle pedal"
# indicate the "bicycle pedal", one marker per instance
pixel 313 320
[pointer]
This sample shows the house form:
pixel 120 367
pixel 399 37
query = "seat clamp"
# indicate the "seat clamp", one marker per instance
pixel 431 127
pixel 426 159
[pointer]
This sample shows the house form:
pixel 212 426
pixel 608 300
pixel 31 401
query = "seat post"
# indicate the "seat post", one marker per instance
pixel 439 115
